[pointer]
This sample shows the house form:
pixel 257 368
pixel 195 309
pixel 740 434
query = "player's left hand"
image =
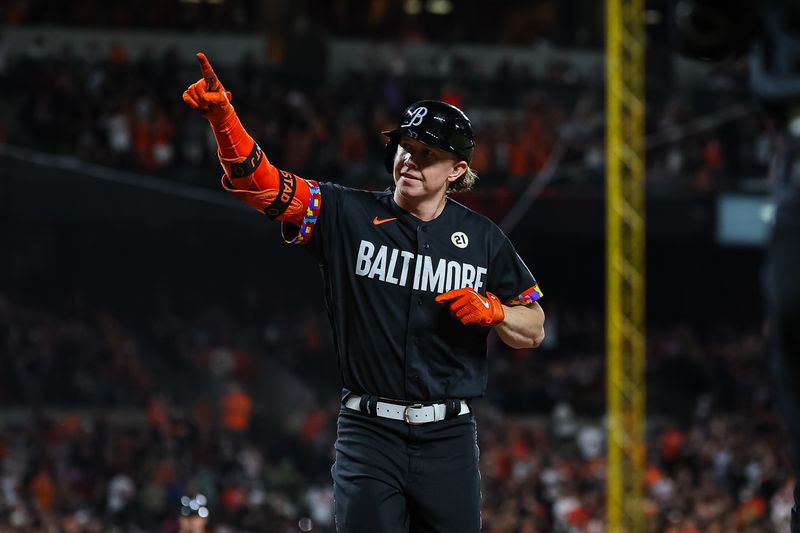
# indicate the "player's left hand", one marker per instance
pixel 472 308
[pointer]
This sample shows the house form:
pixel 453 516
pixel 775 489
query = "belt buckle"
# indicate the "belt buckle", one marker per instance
pixel 406 418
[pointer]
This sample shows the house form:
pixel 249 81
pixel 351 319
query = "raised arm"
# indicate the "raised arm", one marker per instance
pixel 248 173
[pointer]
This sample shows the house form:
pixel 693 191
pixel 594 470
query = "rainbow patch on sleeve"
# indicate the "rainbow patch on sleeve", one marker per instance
pixel 530 295
pixel 310 220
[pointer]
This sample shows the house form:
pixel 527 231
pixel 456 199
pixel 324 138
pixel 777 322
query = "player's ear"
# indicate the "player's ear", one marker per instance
pixel 458 170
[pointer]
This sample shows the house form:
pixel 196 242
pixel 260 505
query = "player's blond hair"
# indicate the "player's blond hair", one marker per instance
pixel 465 182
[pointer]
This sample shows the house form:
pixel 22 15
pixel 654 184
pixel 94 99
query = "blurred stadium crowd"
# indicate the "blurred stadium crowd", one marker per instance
pixel 116 111
pixel 161 390
pixel 515 21
pixel 161 396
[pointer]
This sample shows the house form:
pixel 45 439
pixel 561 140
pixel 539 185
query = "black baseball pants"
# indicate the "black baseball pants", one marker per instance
pixel 391 477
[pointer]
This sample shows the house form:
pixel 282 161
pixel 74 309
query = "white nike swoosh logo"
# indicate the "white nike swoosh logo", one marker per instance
pixel 485 303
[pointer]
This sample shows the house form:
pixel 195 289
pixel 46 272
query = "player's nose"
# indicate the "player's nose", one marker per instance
pixel 408 160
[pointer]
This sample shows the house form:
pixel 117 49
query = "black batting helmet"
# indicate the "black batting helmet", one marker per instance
pixel 436 124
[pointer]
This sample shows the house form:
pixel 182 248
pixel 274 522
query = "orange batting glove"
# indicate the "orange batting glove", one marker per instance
pixel 470 307
pixel 208 96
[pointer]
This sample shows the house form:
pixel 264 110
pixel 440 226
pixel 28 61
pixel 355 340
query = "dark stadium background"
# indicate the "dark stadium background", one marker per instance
pixel 135 297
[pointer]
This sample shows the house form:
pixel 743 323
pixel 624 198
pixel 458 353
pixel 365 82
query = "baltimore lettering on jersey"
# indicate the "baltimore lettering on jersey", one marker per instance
pixel 392 265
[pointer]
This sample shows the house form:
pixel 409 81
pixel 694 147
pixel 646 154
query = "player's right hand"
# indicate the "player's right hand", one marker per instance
pixel 207 94
pixel 472 308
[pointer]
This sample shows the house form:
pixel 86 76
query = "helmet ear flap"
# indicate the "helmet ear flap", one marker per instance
pixel 391 150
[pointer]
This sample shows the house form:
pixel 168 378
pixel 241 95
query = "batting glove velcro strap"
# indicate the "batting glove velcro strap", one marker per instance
pixel 472 308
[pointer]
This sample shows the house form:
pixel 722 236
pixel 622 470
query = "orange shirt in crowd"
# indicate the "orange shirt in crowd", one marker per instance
pixel 43 489
pixel 236 410
pixel 671 442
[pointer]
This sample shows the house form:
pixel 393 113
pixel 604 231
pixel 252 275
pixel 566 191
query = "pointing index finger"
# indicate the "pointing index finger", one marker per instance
pixel 212 84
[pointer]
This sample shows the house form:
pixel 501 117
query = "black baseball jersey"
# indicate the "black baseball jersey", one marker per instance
pixel 382 268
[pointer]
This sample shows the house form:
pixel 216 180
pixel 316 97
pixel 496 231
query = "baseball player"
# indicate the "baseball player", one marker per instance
pixel 414 282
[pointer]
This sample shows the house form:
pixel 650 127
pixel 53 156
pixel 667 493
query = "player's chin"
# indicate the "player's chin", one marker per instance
pixel 408 184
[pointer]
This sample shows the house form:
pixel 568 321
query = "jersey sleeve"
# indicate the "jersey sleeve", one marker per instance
pixel 316 230
pixel 509 278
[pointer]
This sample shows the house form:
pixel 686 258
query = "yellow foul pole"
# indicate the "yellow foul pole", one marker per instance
pixel 625 289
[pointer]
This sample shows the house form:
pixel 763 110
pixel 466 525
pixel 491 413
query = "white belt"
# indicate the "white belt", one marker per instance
pixel 411 414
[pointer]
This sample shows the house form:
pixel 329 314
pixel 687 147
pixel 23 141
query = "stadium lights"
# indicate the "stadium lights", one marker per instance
pixel 653 17
pixel 435 7
pixel 412 7
pixel 439 7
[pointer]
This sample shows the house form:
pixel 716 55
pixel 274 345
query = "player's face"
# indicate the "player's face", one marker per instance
pixel 421 171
